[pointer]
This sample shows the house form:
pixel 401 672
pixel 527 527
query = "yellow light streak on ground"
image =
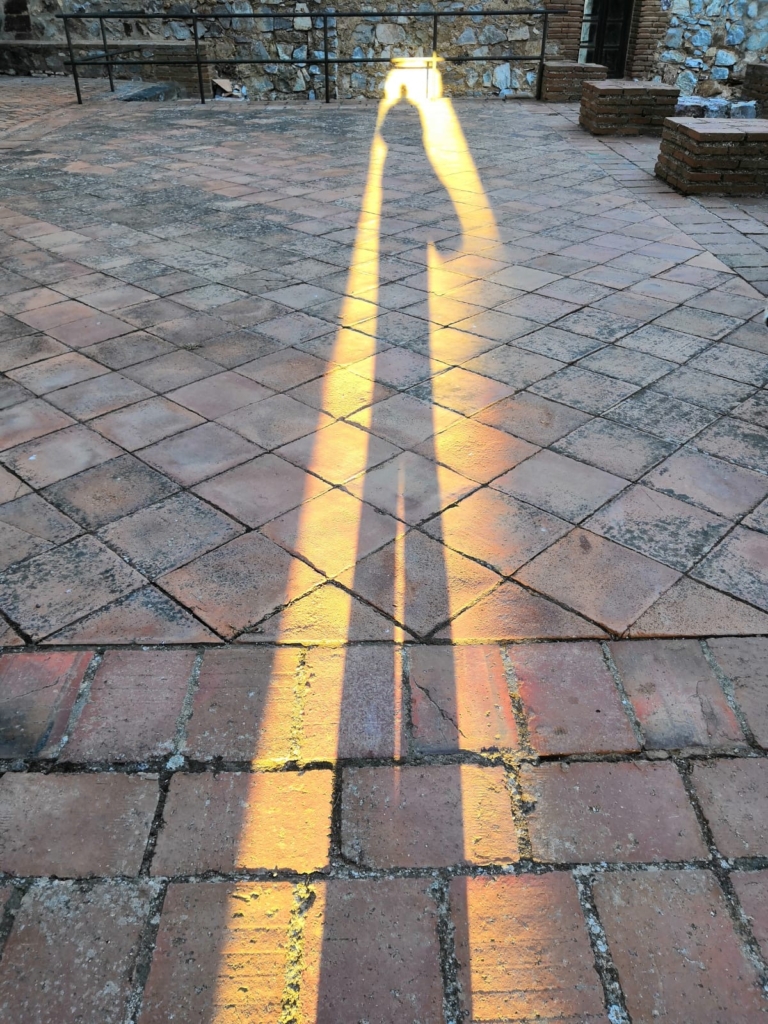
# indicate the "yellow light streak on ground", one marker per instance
pixel 417 81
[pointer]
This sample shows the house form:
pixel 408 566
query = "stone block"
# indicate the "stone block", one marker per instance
pixel 714 155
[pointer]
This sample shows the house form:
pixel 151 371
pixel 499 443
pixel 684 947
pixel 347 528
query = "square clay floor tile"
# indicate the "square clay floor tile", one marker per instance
pixel 201 452
pixel 341 392
pixel 498 530
pixel 664 343
pixel 397 368
pixel 10 487
pixel 717 486
pixel 28 420
pixel 668 418
pixel 419 582
pixel 411 488
pixel 240 583
pixel 23 351
pixel 171 371
pixel 89 331
pixel 221 394
pixel 743 443
pixel 475 451
pixel 700 322
pixel 465 392
pixel 109 491
pixel 56 456
pixel 623 451
pixel 58 587
pixel 118 353
pixel 295 327
pixel 513 366
pixel 669 530
pixel 739 566
pixel 496 326
pixel 275 421
pixel 533 418
pixel 338 452
pixel 261 490
pixel 99 396
pixel 168 534
pixel 404 420
pixel 583 389
pixel 627 365
pixel 524 278
pixel 191 331
pixel 333 531
pixel 603 581
pixel 59 372
pixel 285 369
pixel 144 423
pixel 146 616
pixel 568 489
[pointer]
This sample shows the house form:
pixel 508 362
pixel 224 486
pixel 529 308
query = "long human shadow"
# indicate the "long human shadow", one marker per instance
pixel 380 933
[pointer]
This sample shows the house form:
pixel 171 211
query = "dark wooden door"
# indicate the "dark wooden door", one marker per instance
pixel 605 34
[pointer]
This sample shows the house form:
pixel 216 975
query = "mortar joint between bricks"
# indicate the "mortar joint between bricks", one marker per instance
pixel 407 701
pixel 304 896
pixel 626 702
pixel 726 685
pixel 186 711
pixel 164 782
pixel 615 1003
pixel 10 909
pixel 741 924
pixel 82 698
pixel 301 681
pixel 449 964
pixel 518 708
pixel 145 951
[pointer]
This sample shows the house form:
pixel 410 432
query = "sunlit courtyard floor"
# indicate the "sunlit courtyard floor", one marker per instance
pixel 383 569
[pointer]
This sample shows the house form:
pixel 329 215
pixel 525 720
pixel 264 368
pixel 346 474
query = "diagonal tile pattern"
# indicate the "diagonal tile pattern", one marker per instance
pixel 595 360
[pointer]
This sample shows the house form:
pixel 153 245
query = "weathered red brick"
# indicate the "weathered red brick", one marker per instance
pixel 745 661
pixel 372 954
pixel 734 797
pixel 352 703
pixel 675 948
pixel 38 693
pixel 221 953
pixel 133 706
pixel 460 700
pixel 571 700
pixel 523 950
pixel 436 815
pixel 614 812
pixel 71 953
pixel 675 694
pixel 75 825
pixel 245 821
pixel 752 889
pixel 245 705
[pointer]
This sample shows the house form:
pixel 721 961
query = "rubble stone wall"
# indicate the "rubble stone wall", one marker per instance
pixel 702 46
pixel 293 30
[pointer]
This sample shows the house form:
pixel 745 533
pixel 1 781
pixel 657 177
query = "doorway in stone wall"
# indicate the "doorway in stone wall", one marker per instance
pixel 605 34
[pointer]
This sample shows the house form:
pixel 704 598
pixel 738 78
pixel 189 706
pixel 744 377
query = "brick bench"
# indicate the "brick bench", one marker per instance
pixel 714 155
pixel 562 80
pixel 756 86
pixel 619 107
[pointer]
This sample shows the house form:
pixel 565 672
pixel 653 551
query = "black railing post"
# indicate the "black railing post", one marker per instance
pixel 197 59
pixel 106 55
pixel 72 60
pixel 326 67
pixel 540 76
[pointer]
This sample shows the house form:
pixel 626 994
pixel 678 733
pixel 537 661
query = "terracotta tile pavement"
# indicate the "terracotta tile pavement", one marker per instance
pixel 397 656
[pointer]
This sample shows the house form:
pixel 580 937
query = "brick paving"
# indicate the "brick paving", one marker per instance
pixel 385 597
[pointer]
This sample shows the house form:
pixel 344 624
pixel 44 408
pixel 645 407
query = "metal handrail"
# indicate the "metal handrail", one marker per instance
pixel 114 59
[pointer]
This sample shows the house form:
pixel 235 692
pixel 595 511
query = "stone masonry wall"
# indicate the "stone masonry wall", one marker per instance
pixel 702 46
pixel 293 30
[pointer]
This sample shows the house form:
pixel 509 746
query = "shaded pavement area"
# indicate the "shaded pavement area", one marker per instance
pixel 383 569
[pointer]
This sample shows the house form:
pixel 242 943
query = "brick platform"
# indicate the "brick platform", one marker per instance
pixel 715 155
pixel 756 86
pixel 563 80
pixel 618 107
